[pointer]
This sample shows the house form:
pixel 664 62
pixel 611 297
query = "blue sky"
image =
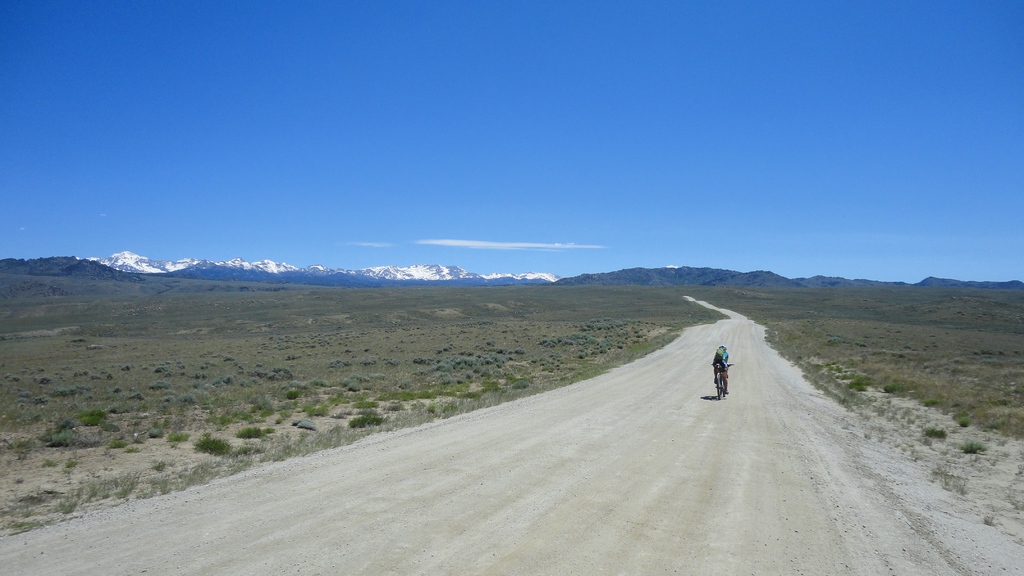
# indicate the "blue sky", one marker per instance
pixel 880 140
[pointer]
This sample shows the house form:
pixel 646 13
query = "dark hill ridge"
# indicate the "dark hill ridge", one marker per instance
pixel 682 276
pixel 945 282
pixel 687 276
pixel 64 266
pixel 834 281
pixel 62 276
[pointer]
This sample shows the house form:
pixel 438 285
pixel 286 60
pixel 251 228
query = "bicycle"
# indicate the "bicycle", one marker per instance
pixel 720 380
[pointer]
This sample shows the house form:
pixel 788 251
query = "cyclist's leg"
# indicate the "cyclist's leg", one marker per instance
pixel 725 380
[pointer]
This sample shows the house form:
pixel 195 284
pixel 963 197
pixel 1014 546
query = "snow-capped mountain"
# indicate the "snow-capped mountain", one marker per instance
pixel 527 277
pixel 131 262
pixel 239 269
pixel 432 273
pixel 268 266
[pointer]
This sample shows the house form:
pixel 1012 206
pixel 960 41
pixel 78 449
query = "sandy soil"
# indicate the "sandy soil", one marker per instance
pixel 635 472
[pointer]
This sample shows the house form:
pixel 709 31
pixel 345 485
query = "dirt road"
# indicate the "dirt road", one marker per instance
pixel 634 472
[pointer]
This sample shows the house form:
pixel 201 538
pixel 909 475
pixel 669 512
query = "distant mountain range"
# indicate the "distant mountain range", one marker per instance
pixel 127 268
pixel 687 276
pixel 268 270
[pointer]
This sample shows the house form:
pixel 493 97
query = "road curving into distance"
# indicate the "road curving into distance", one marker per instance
pixel 637 471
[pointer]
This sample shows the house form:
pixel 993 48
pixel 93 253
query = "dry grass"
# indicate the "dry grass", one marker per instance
pixel 960 351
pixel 79 376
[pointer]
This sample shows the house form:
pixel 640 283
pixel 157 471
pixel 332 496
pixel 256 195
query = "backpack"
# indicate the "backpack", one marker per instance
pixel 720 354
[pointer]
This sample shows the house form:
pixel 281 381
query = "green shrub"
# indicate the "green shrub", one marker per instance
pixel 995 424
pixel 211 445
pixel 92 417
pixel 115 444
pixel 66 424
pixel 61 438
pixel 964 421
pixel 247 450
pixel 70 391
pixel 520 385
pixel 186 399
pixel 973 447
pixel 935 433
pixel 292 394
pixel 365 420
pixel 316 409
pixel 223 420
pixel 859 383
pixel 892 388
pixel 251 433
pixel 175 437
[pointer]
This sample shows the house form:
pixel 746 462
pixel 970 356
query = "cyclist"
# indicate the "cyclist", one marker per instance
pixel 721 363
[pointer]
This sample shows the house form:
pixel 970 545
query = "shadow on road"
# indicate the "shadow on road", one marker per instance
pixel 715 398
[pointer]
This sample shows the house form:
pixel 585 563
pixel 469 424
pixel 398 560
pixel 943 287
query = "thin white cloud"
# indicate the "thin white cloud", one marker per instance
pixel 485 245
pixel 371 244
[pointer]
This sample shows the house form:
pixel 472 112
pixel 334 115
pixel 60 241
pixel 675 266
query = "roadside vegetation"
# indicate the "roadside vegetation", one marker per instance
pixel 107 397
pixel 958 351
